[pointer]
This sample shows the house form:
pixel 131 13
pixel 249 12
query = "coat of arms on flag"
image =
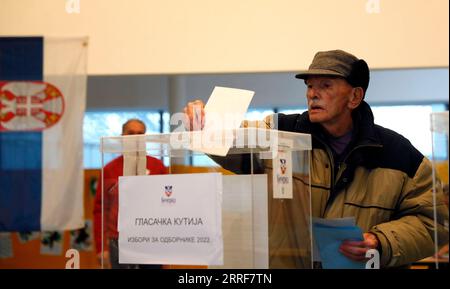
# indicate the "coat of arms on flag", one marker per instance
pixel 28 105
pixel 42 103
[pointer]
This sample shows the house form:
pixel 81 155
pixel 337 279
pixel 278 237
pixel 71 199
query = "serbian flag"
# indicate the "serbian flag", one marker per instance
pixel 42 103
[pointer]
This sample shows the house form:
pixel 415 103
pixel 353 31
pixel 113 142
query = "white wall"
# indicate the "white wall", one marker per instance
pixel 272 89
pixel 221 36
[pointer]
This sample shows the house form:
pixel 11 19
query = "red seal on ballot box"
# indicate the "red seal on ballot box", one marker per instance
pixel 168 190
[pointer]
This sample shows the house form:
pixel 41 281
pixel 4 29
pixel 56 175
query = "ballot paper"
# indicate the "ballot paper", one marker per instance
pixel 328 237
pixel 340 222
pixel 225 110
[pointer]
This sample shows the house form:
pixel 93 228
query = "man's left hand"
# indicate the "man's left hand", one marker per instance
pixel 356 250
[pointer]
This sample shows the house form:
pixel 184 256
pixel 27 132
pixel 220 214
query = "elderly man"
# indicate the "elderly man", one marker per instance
pixel 111 173
pixel 360 169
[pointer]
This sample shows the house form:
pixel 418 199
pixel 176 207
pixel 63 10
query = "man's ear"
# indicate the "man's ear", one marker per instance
pixel 356 97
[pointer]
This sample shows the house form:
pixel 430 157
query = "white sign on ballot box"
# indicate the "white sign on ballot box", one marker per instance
pixel 171 219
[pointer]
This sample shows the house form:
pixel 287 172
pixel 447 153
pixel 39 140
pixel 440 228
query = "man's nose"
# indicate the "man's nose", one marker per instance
pixel 311 93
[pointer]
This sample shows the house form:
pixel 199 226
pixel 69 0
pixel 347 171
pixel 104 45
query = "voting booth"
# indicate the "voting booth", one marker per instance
pixel 439 131
pixel 251 209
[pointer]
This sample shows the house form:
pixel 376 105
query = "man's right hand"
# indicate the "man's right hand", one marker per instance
pixel 106 261
pixel 195 113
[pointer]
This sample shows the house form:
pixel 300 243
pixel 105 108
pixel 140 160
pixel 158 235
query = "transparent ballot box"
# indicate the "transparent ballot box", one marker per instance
pixel 206 199
pixel 440 150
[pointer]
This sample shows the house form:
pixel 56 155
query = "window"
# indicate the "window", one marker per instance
pixel 166 122
pixel 258 114
pixel 109 123
pixel 293 111
pixel 411 121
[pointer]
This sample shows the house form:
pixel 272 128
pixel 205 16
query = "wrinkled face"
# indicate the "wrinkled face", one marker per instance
pixel 328 99
pixel 134 127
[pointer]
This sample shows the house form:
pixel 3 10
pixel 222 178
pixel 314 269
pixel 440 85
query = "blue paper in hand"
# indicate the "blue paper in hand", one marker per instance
pixel 329 239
